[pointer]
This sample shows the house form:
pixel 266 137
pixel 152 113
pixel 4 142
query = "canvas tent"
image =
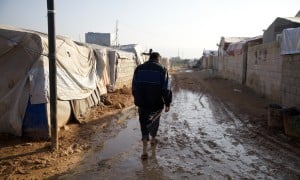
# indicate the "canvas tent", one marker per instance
pixel 24 86
pixel 84 72
pixel 81 107
pixel 137 50
pixel 114 69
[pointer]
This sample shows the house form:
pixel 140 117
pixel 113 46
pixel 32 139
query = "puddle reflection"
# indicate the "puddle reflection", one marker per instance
pixel 197 139
pixel 151 167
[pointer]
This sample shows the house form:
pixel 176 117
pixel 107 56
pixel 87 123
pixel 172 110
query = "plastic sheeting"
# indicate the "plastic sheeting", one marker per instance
pixel 82 107
pixel 16 60
pixel 102 68
pixel 83 74
pixel 235 48
pixel 24 73
pixel 290 43
pixel 76 70
pixel 137 50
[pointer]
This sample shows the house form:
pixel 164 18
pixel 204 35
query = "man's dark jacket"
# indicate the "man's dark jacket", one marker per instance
pixel 150 86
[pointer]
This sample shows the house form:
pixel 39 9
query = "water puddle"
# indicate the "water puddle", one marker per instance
pixel 188 70
pixel 197 139
pixel 123 142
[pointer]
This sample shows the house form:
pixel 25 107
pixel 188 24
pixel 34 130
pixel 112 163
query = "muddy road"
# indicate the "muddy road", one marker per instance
pixel 206 135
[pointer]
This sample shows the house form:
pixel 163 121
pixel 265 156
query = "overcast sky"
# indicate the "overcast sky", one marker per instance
pixel 168 26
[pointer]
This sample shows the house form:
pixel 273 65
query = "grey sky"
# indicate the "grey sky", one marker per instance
pixel 164 25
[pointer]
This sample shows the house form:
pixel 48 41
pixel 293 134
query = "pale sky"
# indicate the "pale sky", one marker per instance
pixel 166 26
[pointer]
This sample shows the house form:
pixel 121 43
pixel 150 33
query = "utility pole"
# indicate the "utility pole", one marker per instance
pixel 52 73
pixel 116 38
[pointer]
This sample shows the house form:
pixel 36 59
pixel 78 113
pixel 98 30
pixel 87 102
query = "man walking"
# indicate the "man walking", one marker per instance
pixel 152 92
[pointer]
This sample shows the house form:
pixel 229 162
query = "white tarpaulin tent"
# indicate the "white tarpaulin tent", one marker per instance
pixel 81 107
pixel 24 73
pixel 84 72
pixel 290 43
pixel 137 50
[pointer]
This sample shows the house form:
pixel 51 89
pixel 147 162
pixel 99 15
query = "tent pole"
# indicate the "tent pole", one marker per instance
pixel 52 74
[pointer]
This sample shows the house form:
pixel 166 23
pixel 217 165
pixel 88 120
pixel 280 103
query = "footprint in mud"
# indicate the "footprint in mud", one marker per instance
pixel 186 124
pixel 98 147
pixel 173 129
pixel 198 153
pixel 104 164
pixel 211 144
pixel 197 140
pixel 180 143
pixel 201 133
pixel 214 158
pixel 175 117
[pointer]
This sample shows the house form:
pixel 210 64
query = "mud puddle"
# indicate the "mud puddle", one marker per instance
pixel 198 139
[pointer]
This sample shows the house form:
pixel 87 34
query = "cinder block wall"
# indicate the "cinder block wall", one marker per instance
pixel 216 63
pixel 210 62
pixel 291 81
pixel 231 67
pixel 205 62
pixel 264 70
pixel 125 70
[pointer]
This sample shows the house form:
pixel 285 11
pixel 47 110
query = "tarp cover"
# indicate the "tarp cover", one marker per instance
pixel 24 73
pixel 290 43
pixel 235 48
pixel 137 50
pixel 15 62
pixel 82 107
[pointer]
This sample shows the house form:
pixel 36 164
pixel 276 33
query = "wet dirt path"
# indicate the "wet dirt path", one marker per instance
pixel 200 138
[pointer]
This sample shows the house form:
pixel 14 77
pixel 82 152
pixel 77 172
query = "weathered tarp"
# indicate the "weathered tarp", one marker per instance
pixel 235 48
pixel 81 107
pixel 16 60
pixel 24 73
pixel 290 43
pixel 102 68
pixel 83 74
pixel 137 50
pixel 76 66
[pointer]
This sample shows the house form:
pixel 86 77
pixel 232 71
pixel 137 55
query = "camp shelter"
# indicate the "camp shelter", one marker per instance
pixel 278 25
pixel 239 47
pixel 82 107
pixel 137 50
pixel 24 84
pixel 226 41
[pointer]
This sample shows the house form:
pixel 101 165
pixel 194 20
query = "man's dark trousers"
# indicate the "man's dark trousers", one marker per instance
pixel 149 121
